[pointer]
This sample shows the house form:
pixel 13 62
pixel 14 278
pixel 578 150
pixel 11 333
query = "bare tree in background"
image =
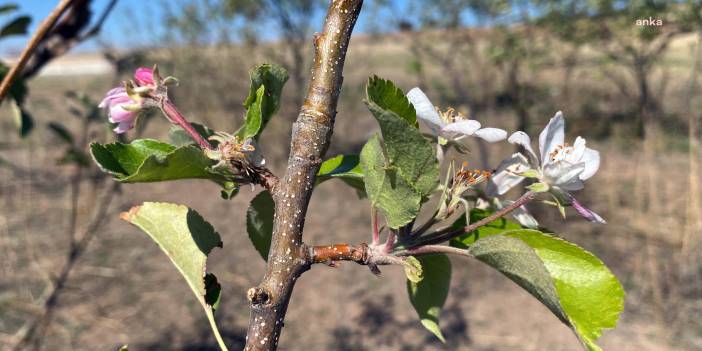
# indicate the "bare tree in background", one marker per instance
pixel 293 19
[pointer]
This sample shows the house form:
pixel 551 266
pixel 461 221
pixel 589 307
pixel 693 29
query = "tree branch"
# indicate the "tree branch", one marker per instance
pixel 288 257
pixel 32 45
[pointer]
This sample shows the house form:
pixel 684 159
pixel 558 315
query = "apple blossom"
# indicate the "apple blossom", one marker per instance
pixel 144 76
pixel 450 125
pixel 559 167
pixel 121 108
pixel 124 104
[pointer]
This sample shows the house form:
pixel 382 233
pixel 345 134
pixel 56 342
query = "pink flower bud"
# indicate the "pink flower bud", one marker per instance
pixel 144 76
pixel 116 102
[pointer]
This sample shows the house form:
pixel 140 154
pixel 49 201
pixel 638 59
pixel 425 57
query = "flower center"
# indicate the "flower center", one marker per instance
pixel 231 147
pixel 451 115
pixel 470 177
pixel 560 152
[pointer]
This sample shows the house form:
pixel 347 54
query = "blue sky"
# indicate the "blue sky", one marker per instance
pixel 114 27
pixel 129 16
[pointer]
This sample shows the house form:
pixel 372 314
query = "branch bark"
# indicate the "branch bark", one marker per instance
pixel 288 256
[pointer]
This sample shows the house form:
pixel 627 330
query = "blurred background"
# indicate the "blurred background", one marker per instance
pixel 626 74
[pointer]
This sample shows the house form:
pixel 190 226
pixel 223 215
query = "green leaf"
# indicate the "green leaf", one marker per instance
pixel 574 284
pixel 396 199
pixel 17 26
pixel 345 167
pixel 147 160
pixel 186 238
pixel 229 190
pixel 387 96
pixel 23 120
pixel 497 226
pixel 259 222
pixel 179 137
pixel 413 269
pixel 18 90
pixel 428 295
pixel 267 81
pixel 408 151
pixel 213 291
pixel 254 116
pixel 538 187
pixel 61 132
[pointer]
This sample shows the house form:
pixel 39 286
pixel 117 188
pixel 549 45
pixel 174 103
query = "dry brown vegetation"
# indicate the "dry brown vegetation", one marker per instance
pixel 123 290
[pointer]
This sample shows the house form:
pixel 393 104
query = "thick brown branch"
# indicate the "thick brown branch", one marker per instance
pixel 288 257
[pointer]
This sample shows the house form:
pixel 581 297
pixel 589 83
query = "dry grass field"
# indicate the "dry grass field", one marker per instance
pixel 123 290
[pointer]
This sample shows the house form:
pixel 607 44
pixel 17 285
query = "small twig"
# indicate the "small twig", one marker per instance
pixel 390 242
pixel 260 175
pixel 439 237
pixel 33 42
pixel 98 25
pixel 171 111
pixel 434 249
pixel 374 224
pixel 339 252
pixel 430 222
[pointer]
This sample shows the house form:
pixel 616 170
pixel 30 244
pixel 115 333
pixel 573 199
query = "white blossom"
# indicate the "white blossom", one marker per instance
pixel 449 125
pixel 559 167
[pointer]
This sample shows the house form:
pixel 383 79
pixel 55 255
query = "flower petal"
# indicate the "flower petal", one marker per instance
pixel 591 158
pixel 552 136
pixel 464 127
pixel 112 95
pixel 491 135
pixel 144 76
pixel 586 212
pixel 425 109
pixel 124 126
pixel 522 139
pixel 574 184
pixel 563 174
pixel 117 114
pixel 505 178
pixel 576 154
pixel 522 215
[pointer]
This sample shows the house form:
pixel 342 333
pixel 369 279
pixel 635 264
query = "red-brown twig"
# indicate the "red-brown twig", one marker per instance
pixel 171 111
pixel 339 252
pixel 448 235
